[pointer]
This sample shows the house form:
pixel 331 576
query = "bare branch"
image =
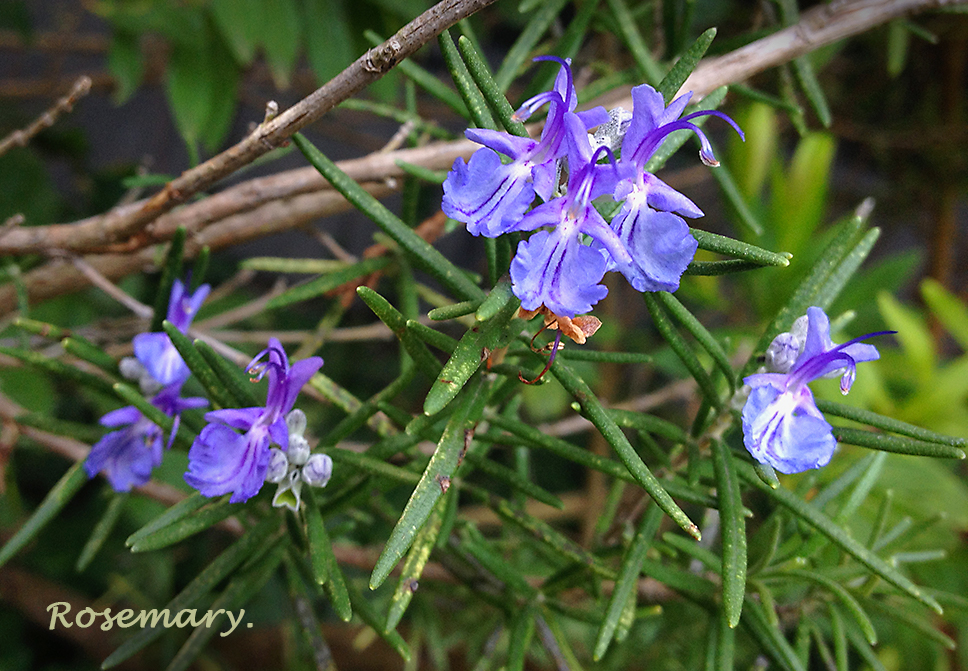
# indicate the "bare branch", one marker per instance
pixel 121 224
pixel 20 138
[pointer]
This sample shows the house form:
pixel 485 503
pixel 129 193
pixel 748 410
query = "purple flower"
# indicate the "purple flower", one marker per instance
pixel 782 426
pixel 491 197
pixel 554 268
pixel 155 351
pixel 127 456
pixel 221 460
pixel 658 241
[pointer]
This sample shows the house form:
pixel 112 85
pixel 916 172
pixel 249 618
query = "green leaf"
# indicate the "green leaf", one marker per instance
pixel 492 93
pixel 469 355
pixel 888 423
pixel 422 253
pixel 896 444
pixel 699 332
pixel 804 295
pixel 846 598
pixel 329 37
pixel 101 530
pixel 390 316
pixel 433 483
pixel 741 250
pixel 171 270
pixel 729 189
pixel 321 548
pixel 196 363
pixel 522 631
pixel 734 532
pixel 566 47
pixel 948 308
pixel 627 584
pixel 540 21
pixel 59 368
pixel 514 480
pixel 188 526
pixel 610 431
pixel 277 264
pixel 845 270
pixel 369 616
pixel 676 76
pixel 769 637
pixel 681 349
pixel 253 541
pixel 234 378
pixel 469 93
pixel 281 33
pixel 803 69
pixel 839 537
pixel 328 282
pixel 200 85
pixel 648 67
pixel 240 22
pixel 239 591
pixel 58 497
pixel 414 564
pixel 454 310
pixel 126 64
pixel 88 351
pixel 176 512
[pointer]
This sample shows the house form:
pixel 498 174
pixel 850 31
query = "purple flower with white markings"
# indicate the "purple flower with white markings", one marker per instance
pixel 221 460
pixel 657 239
pixel 782 426
pixel 127 456
pixel 155 351
pixel 554 268
pixel 490 196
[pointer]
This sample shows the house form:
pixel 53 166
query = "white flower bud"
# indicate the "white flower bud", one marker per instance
pixel 278 466
pixel 131 368
pixel 298 451
pixel 782 353
pixel 317 470
pixel 296 422
pixel 288 493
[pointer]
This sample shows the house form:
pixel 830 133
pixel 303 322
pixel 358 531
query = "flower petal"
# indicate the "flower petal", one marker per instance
pixel 660 245
pixel 488 196
pixel 559 272
pixel 222 461
pixel 160 358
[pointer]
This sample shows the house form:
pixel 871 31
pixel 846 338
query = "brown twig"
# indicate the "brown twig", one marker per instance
pixel 20 138
pixel 120 225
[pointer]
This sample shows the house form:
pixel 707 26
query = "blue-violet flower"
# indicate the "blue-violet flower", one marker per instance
pixel 782 426
pixel 155 351
pixel 221 460
pixel 127 456
pixel 491 197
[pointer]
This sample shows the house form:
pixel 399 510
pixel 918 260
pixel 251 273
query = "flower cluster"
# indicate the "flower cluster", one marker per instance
pixel 782 426
pixel 296 466
pixel 647 240
pixel 128 455
pixel 221 460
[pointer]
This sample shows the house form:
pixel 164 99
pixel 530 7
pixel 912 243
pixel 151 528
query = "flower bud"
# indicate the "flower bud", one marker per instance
pixel 296 422
pixel 298 451
pixel 317 470
pixel 288 492
pixel 278 465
